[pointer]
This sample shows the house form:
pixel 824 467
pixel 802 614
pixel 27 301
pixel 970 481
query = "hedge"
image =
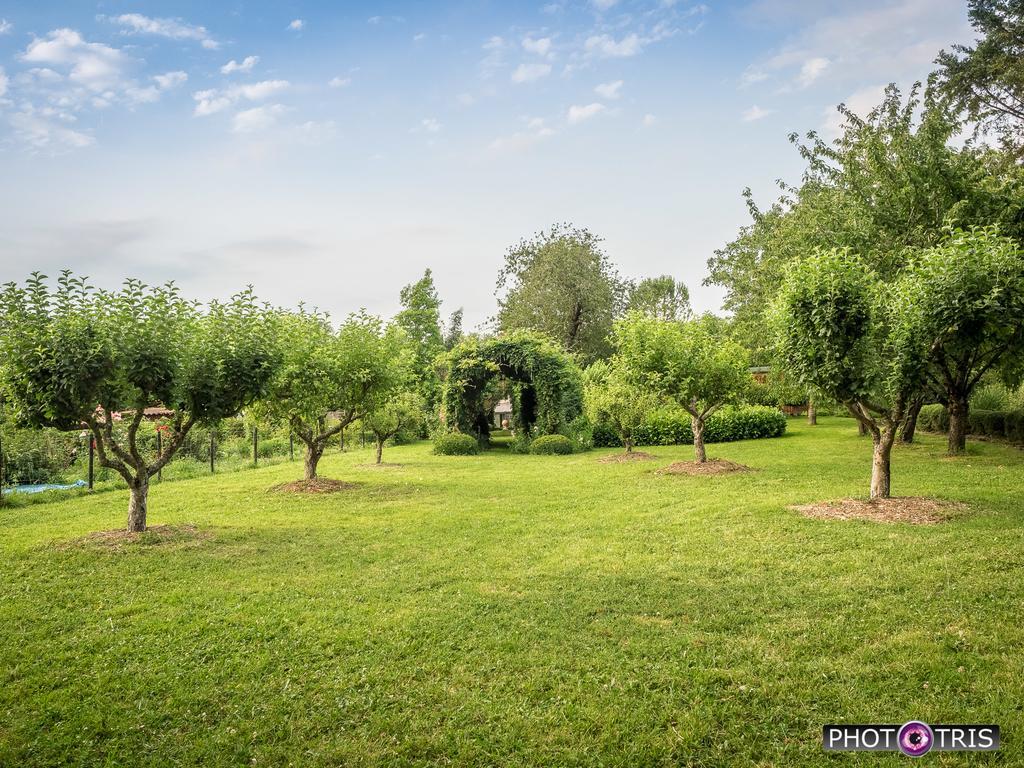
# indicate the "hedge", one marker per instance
pixel 551 444
pixel 455 444
pixel 1004 425
pixel 669 426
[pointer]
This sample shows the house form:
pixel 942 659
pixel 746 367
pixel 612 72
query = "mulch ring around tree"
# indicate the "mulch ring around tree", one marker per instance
pixel 318 485
pixel 709 467
pixel 914 510
pixel 154 535
pixel 625 458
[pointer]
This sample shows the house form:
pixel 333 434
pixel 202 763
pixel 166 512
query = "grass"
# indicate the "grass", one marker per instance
pixel 517 610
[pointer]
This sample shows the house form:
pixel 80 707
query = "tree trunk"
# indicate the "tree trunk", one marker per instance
pixel 628 442
pixel 880 465
pixel 313 455
pixel 910 425
pixel 958 412
pixel 138 503
pixel 812 412
pixel 380 449
pixel 698 439
pixel 861 429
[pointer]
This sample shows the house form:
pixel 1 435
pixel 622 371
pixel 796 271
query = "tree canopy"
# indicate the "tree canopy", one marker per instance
pixel 420 318
pixel 74 355
pixel 561 283
pixel 661 297
pixel 987 79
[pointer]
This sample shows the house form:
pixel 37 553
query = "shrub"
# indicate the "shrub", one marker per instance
pixel 991 397
pixel 1001 424
pixel 34 456
pixel 933 418
pixel 671 426
pixel 551 444
pixel 519 443
pixel 455 444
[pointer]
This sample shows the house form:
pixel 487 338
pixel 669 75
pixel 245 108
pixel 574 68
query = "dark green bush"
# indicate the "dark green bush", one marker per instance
pixel 1003 425
pixel 455 444
pixel 671 426
pixel 551 444
pixel 933 418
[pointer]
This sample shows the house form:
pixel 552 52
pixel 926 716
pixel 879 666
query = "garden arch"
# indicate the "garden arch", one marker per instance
pixel 546 385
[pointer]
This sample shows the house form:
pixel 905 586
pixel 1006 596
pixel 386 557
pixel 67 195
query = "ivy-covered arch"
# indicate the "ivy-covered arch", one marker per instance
pixel 546 385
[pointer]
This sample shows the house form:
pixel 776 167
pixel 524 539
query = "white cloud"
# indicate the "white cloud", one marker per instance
pixel 174 29
pixel 419 36
pixel 94 66
pixel 430 124
pixel 649 120
pixel 170 80
pixel 610 90
pixel 603 5
pixel 753 75
pixel 40 130
pixel 245 65
pixel 339 82
pixel 5 26
pixel 526 73
pixel 541 46
pixel 608 47
pixel 257 118
pixel 578 114
pixel 811 70
pixel 211 101
pixel 861 101
pixel 755 113
pixel 4 80
pixel 296 25
pixel 536 131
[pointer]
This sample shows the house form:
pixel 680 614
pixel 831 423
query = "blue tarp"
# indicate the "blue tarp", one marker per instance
pixel 45 487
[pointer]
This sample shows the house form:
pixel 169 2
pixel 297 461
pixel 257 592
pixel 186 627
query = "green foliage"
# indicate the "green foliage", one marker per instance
pixel 660 297
pixel 673 426
pixel 992 397
pixel 551 444
pixel 1002 424
pixel 546 384
pixel 987 79
pixel 933 418
pixel 842 332
pixel 691 363
pixel 455 444
pixel 611 398
pixel 969 297
pixel 349 372
pixel 33 456
pixel 74 355
pixel 887 187
pixel 560 283
pixel 420 318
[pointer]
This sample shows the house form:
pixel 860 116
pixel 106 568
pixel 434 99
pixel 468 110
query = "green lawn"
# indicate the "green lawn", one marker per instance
pixel 518 610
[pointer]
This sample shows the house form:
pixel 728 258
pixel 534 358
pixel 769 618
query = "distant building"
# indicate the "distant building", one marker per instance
pixel 503 413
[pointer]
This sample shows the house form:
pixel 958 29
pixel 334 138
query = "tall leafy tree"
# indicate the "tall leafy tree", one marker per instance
pixel 885 188
pixel 74 355
pixel 692 363
pixel 561 283
pixel 661 297
pixel 987 79
pixel 420 318
pixel 331 377
pixel 453 332
pixel 970 296
pixel 857 339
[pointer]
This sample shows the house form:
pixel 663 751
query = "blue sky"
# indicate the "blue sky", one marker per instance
pixel 329 152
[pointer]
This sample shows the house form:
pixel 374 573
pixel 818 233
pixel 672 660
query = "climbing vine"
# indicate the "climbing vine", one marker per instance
pixel 545 384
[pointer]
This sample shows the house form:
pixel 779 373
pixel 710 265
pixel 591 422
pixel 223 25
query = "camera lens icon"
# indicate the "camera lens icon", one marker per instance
pixel 915 738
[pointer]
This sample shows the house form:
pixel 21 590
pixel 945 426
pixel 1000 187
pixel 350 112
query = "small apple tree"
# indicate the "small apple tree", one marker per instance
pixel 856 339
pixel 610 397
pixel 73 355
pixel 693 363
pixel 403 410
pixel 345 373
pixel 970 292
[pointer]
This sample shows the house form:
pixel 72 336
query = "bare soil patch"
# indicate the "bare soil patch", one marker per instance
pixel 915 510
pixel 625 458
pixel 154 535
pixel 709 467
pixel 319 485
